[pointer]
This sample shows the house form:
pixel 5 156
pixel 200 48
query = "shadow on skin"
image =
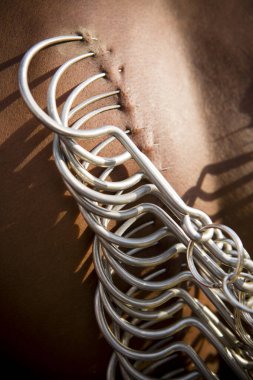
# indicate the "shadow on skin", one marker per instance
pixel 47 321
pixel 219 43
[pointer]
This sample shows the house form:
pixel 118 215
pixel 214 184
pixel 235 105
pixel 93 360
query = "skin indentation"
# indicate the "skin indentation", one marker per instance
pixel 106 61
pixel 88 36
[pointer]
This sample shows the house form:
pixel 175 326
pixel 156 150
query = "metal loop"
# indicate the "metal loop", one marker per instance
pixel 193 227
pixel 238 244
pixel 231 298
pixel 190 261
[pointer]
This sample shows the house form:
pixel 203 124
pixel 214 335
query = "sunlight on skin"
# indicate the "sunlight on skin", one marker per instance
pixel 174 121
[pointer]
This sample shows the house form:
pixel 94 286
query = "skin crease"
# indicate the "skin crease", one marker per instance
pixel 186 83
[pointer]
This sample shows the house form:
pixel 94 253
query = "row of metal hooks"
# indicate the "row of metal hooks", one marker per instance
pixel 141 302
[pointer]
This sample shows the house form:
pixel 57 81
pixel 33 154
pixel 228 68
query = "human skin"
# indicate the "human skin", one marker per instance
pixel 186 83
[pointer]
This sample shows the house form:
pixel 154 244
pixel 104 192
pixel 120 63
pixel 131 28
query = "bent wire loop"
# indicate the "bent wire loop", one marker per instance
pixel 139 305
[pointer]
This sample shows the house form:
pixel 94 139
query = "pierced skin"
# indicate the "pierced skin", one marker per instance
pixel 186 88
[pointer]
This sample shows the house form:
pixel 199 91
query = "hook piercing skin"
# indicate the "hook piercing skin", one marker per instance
pixel 138 240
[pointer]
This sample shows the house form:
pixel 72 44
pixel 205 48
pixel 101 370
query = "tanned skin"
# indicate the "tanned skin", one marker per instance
pixel 186 71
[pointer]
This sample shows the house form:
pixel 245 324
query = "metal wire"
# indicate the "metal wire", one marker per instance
pixel 139 305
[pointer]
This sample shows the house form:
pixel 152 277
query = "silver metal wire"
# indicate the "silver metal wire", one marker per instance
pixel 139 305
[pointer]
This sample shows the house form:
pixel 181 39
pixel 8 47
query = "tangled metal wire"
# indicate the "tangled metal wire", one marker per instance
pixel 142 230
